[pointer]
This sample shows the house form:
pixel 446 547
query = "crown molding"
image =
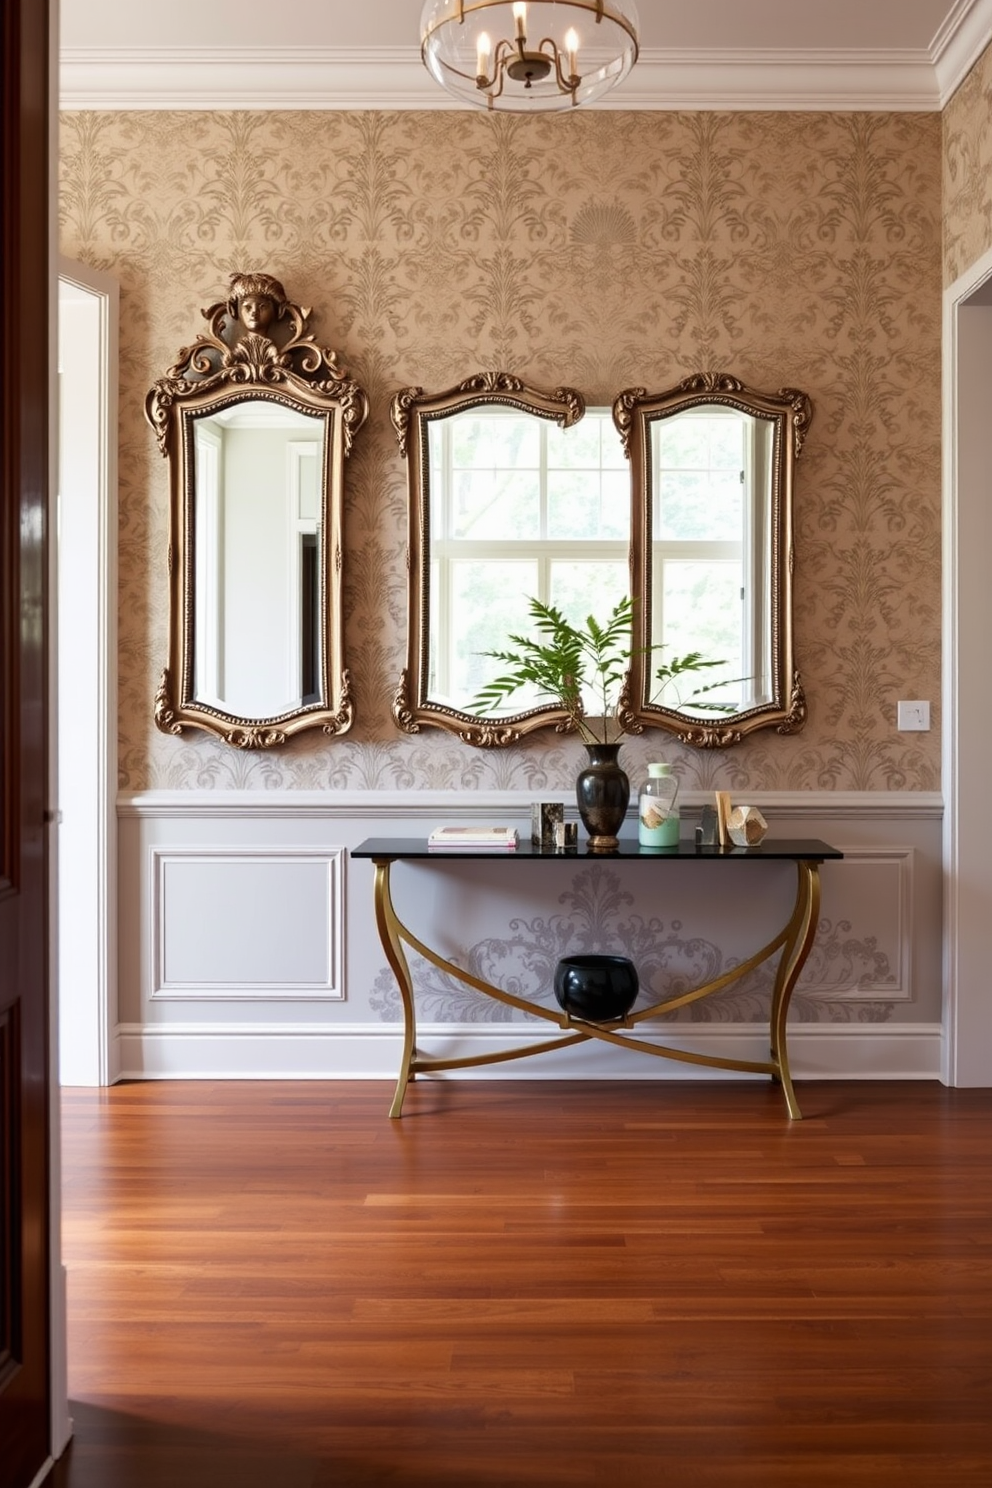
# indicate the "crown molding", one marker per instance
pixel 959 43
pixel 394 78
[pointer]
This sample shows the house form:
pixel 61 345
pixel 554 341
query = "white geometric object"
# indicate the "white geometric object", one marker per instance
pixel 746 826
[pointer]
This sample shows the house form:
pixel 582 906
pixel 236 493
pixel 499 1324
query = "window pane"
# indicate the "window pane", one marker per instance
pixel 590 444
pixel 495 505
pixel 489 601
pixel 581 589
pixel 588 505
pixel 695 505
pixel 588 481
pixel 701 611
pixel 699 462
pixel 495 441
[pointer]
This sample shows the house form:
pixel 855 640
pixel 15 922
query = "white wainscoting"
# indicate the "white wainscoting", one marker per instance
pixel 884 879
pixel 248 946
pixel 246 923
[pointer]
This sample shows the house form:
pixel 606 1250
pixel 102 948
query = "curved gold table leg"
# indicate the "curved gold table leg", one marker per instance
pixel 799 939
pixel 388 927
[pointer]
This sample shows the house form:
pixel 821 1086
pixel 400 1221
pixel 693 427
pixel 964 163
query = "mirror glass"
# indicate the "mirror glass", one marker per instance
pixel 712 469
pixel 520 507
pixel 256 420
pixel 257 543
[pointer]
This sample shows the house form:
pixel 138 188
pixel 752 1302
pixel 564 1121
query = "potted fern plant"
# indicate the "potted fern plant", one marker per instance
pixel 567 663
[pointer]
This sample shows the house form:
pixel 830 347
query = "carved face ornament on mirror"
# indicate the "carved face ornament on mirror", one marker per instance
pixel 256 421
pixel 681 500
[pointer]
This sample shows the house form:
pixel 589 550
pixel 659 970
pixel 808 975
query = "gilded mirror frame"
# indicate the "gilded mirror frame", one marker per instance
pixel 789 411
pixel 258 348
pixel 412 411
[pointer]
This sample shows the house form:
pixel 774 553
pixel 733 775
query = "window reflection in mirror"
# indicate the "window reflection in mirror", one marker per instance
pixel 519 508
pixel 498 473
pixel 712 471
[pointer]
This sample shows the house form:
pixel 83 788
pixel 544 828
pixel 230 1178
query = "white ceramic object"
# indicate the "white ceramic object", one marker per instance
pixel 746 826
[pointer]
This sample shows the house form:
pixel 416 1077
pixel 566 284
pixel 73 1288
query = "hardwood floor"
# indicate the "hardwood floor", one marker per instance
pixel 653 1285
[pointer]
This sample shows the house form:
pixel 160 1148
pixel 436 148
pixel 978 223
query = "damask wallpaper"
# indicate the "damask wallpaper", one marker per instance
pixel 602 250
pixel 968 171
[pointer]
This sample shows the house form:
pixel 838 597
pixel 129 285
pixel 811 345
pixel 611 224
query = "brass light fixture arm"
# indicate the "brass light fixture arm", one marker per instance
pixel 514 54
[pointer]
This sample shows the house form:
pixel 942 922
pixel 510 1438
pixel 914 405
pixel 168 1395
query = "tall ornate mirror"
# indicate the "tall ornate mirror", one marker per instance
pixel 512 495
pixel 256 420
pixel 712 471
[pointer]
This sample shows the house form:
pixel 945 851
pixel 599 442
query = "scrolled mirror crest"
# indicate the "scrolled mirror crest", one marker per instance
pixel 240 350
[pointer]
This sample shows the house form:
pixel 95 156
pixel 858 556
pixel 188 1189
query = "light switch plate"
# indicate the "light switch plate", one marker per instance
pixel 913 716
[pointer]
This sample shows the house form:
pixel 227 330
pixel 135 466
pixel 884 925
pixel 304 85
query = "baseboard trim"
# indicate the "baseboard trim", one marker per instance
pixel 908 1051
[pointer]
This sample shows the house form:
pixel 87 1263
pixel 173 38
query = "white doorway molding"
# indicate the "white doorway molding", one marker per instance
pixel 967 677
pixel 86 952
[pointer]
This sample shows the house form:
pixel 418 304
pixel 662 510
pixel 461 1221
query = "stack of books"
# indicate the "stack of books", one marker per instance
pixel 444 839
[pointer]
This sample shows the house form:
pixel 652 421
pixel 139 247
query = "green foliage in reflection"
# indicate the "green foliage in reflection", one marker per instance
pixel 566 664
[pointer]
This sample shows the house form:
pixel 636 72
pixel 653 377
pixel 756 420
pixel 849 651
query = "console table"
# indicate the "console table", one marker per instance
pixel 793 942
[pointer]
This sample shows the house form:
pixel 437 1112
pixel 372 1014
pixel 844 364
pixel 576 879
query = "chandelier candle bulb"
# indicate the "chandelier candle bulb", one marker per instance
pixel 572 48
pixel 483 48
pixel 657 809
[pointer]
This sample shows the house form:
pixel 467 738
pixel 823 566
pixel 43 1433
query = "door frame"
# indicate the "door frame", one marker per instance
pixel 84 659
pixel 966 703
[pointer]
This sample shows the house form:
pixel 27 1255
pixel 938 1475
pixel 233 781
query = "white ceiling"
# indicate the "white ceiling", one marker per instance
pixel 902 54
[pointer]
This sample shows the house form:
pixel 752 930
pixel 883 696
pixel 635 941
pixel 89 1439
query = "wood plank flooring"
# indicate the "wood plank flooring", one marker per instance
pixel 525 1285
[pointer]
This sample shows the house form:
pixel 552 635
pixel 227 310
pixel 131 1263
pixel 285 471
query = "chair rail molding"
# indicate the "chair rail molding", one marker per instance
pixel 425 804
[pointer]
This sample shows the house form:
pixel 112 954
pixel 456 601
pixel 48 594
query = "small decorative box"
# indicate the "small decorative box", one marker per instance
pixel 544 817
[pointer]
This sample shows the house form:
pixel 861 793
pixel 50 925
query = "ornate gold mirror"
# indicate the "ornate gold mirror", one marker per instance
pixel 712 471
pixel 256 420
pixel 512 495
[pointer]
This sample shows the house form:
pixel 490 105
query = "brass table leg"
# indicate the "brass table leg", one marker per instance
pixel 389 933
pixel 800 933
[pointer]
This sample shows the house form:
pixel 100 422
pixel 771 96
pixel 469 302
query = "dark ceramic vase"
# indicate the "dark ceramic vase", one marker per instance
pixel 597 988
pixel 602 791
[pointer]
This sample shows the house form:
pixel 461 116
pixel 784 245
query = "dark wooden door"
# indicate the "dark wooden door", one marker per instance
pixel 24 1074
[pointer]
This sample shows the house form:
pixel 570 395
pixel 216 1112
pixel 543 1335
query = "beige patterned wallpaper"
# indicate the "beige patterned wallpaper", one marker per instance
pixel 602 250
pixel 967 123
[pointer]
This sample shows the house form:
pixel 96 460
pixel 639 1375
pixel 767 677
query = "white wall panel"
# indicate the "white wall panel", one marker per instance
pixel 246 923
pixel 879 965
